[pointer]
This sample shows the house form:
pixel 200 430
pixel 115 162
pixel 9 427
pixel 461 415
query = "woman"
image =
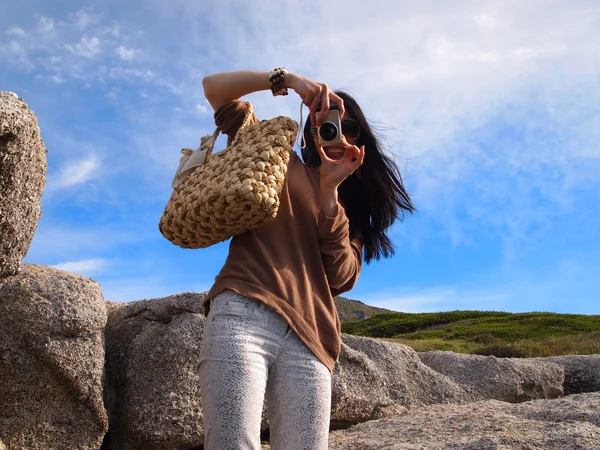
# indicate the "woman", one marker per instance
pixel 272 328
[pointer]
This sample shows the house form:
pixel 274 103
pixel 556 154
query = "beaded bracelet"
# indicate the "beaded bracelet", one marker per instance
pixel 276 78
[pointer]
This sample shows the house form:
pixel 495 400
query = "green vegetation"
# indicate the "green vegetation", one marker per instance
pixel 486 332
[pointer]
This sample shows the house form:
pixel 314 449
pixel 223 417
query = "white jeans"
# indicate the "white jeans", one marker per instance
pixel 249 350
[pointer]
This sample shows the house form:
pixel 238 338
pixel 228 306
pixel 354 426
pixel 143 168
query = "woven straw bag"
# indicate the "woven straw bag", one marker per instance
pixel 234 190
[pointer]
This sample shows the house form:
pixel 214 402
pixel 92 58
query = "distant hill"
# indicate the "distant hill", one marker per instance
pixel 354 310
pixel 486 332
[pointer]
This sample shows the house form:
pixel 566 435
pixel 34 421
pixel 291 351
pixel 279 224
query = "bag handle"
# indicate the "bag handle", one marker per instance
pixel 191 159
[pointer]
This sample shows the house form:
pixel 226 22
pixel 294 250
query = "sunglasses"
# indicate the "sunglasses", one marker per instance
pixel 350 129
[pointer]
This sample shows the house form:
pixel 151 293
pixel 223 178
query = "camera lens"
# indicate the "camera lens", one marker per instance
pixel 328 131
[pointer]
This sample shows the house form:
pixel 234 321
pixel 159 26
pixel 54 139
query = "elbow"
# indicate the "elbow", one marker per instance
pixel 343 274
pixel 210 90
pixel 345 282
pixel 342 288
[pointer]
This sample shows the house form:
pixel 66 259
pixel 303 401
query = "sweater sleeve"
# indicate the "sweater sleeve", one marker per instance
pixel 342 254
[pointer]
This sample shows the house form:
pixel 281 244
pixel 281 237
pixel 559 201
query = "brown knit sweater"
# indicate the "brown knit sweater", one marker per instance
pixel 298 262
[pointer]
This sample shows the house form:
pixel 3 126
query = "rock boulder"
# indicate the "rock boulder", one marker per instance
pixel 152 374
pixel 507 379
pixel 51 360
pixel 570 423
pixel 582 372
pixel 22 178
pixel 374 378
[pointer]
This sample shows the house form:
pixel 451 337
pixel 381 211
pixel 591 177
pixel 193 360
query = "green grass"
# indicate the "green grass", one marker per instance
pixel 486 332
pixel 427 345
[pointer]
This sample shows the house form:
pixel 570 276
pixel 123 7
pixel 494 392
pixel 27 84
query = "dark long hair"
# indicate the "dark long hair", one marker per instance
pixel 375 198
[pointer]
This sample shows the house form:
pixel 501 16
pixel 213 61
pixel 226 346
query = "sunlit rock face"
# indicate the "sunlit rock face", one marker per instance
pixel 152 390
pixel 51 360
pixel 374 379
pixel 566 423
pixel 508 379
pixel 22 178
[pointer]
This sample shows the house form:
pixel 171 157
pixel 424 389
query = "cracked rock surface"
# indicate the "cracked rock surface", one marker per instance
pixel 51 360
pixel 374 379
pixel 22 178
pixel 507 379
pixel 568 423
pixel 152 373
pixel 582 372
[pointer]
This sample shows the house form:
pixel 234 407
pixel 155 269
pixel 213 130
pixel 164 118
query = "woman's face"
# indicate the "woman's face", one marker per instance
pixel 350 135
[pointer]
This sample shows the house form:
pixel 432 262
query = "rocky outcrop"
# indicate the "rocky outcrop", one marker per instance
pixel 22 178
pixel 570 423
pixel 51 360
pixel 152 384
pixel 507 379
pixel 582 372
pixel 152 374
pixel 375 379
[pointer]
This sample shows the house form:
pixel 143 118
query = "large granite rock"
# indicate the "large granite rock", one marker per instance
pixel 569 423
pixel 153 397
pixel 22 178
pixel 582 372
pixel 374 379
pixel 507 379
pixel 152 374
pixel 51 360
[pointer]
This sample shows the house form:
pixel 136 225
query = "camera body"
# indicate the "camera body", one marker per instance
pixel 330 132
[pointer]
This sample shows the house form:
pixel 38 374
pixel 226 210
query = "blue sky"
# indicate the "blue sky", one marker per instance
pixel 492 109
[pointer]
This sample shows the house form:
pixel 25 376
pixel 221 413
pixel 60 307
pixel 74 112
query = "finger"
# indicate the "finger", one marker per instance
pixel 314 105
pixel 322 154
pixel 334 98
pixel 361 156
pixel 355 154
pixel 325 91
pixel 348 148
pixel 352 154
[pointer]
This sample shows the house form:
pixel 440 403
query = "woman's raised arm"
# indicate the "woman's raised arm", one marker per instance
pixel 222 88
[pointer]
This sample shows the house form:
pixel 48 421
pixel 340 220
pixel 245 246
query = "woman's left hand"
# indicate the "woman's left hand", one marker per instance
pixel 315 95
pixel 334 171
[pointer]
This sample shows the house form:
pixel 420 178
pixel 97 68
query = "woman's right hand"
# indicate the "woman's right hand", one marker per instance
pixel 313 95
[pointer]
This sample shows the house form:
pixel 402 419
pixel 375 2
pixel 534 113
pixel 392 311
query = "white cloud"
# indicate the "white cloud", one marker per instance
pixel 83 20
pixel 437 299
pixel 131 74
pixel 114 30
pixel 16 31
pixel 16 47
pixel 86 267
pixel 203 108
pixel 125 53
pixel 45 25
pixel 76 172
pixel 87 47
pixel 485 20
pixel 540 51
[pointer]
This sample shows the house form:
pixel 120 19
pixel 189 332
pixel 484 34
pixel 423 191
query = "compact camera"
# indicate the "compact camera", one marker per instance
pixel 330 132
